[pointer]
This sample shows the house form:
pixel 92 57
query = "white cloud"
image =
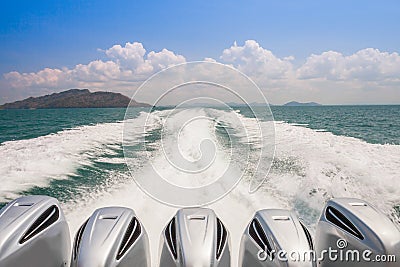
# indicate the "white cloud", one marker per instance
pixel 127 63
pixel 368 75
pixel 49 77
pixel 209 59
pixel 130 56
pixel 158 61
pixel 365 65
pixel 254 60
pixel 95 71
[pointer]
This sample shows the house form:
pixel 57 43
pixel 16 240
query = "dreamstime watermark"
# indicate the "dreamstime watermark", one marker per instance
pixel 196 155
pixel 338 254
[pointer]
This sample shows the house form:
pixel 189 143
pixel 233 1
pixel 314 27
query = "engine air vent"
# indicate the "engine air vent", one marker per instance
pixel 308 235
pixel 337 218
pixel 197 217
pixel 132 234
pixel 257 233
pixel 47 218
pixel 108 217
pixel 358 204
pixel 170 236
pixel 78 238
pixel 281 218
pixel 23 204
pixel 222 235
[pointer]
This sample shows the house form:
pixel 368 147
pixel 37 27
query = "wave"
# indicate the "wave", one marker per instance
pixel 312 166
pixel 35 162
pixel 309 167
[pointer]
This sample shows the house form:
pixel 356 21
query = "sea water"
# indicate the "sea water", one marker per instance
pixel 76 155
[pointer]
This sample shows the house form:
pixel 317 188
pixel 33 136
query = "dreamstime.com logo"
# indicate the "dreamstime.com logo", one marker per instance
pixel 338 254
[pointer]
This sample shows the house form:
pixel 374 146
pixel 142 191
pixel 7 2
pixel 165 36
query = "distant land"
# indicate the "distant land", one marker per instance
pixel 296 104
pixel 75 98
pixel 253 104
pixel 229 104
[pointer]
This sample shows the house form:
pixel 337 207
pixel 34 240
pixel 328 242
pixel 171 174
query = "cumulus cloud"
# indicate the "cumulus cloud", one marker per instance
pixel 367 76
pixel 95 71
pixel 329 77
pixel 128 63
pixel 49 77
pixel 365 65
pixel 130 56
pixel 254 60
pixel 209 59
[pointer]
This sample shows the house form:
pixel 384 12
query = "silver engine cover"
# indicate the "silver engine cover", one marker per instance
pixel 112 236
pixel 34 233
pixel 360 227
pixel 195 237
pixel 272 231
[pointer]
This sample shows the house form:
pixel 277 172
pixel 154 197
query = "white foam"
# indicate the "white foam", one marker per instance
pixel 319 165
pixel 189 143
pixel 35 162
pixel 310 168
pixel 299 124
pixel 111 160
pixel 235 210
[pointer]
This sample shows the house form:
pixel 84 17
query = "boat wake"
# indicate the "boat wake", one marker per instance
pixel 309 168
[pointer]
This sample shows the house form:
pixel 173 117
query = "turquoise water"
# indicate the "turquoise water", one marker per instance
pixel 373 124
pixel 76 154
pixel 25 124
pixel 30 124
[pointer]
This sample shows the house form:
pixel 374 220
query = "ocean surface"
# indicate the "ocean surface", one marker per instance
pixel 76 155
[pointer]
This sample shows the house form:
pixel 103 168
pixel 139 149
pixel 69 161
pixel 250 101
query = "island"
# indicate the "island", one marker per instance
pixel 75 98
pixel 298 104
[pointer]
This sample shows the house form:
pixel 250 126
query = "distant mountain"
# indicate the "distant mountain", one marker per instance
pixel 252 104
pixel 230 104
pixel 294 104
pixel 75 98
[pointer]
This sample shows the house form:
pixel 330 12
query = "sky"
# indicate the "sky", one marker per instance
pixel 332 52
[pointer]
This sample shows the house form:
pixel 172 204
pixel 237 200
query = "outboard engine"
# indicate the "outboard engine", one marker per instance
pixel 195 237
pixel 276 237
pixel 355 229
pixel 111 237
pixel 34 233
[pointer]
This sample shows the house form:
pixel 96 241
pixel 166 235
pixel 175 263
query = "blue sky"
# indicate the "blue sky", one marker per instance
pixel 61 34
